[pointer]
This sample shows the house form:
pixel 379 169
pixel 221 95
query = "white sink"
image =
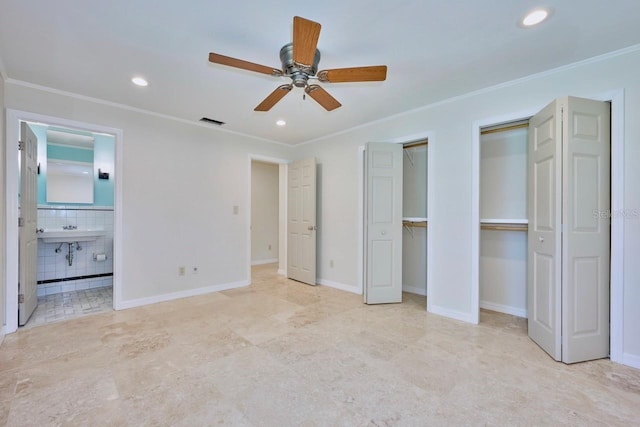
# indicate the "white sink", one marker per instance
pixel 70 236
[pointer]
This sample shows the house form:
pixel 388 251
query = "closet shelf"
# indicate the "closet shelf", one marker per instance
pixel 504 221
pixel 504 226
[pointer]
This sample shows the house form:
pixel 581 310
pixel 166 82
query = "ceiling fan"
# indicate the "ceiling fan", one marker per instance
pixel 300 63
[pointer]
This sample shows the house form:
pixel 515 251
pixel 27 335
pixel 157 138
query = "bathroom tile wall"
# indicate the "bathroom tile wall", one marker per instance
pixel 52 265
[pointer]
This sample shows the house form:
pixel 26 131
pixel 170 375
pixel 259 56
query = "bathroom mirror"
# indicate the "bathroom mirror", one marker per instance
pixel 69 170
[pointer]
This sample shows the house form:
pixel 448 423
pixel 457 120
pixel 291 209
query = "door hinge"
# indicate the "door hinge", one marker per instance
pixel 20 298
pixel 20 222
pixel 20 145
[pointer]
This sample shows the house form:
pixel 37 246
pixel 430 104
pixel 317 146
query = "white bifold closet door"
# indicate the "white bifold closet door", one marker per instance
pixel 383 223
pixel 569 229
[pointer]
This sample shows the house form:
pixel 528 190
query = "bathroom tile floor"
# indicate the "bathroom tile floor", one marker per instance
pixel 281 353
pixel 69 305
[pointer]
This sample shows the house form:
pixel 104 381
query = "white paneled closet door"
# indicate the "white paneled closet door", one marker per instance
pixel 569 229
pixel 383 223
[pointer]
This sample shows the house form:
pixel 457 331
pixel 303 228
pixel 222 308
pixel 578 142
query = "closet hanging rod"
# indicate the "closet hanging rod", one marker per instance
pixel 504 129
pixel 415 144
pixel 419 224
pixel 505 227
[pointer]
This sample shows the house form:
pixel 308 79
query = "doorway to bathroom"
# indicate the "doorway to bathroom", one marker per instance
pixel 70 271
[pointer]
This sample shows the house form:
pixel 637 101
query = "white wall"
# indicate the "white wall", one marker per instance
pixel 264 212
pixel 181 182
pixel 450 222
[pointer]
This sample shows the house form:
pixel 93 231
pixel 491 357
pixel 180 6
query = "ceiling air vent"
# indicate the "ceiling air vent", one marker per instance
pixel 211 121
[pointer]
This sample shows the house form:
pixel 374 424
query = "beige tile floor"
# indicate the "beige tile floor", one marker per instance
pixel 281 353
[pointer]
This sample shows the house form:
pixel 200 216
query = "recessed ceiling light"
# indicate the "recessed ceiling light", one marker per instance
pixel 139 81
pixel 281 123
pixel 534 17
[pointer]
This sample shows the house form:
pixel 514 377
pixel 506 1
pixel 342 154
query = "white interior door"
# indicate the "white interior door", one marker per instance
pixel 383 223
pixel 586 242
pixel 28 257
pixel 544 235
pixel 301 221
pixel 569 229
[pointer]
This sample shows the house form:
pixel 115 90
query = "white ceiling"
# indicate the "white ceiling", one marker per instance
pixel 434 49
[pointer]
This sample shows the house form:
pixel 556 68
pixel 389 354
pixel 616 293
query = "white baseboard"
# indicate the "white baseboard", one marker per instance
pixel 414 290
pixel 341 286
pixel 453 314
pixel 631 360
pixel 282 272
pixel 514 311
pixel 264 261
pixel 2 334
pixel 182 294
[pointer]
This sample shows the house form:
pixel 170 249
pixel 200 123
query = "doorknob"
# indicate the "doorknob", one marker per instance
pixel 312 227
pixel 541 239
pixel 39 230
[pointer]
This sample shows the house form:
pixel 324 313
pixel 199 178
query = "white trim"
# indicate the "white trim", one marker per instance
pixel 282 272
pixel 361 242
pixel 616 97
pixel 182 294
pixel 137 110
pixel 429 136
pixel 507 309
pixel 476 127
pixel 13 117
pixel 414 290
pixel 616 312
pixel 630 360
pixel 265 261
pixel 340 286
pixel 489 89
pixel 430 198
pixel 452 314
pixel 272 160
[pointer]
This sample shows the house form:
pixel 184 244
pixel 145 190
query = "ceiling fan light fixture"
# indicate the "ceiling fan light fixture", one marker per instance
pixel 281 122
pixel 534 17
pixel 140 81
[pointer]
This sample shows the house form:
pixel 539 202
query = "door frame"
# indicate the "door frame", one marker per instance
pixel 616 97
pixel 429 136
pixel 282 210
pixel 13 119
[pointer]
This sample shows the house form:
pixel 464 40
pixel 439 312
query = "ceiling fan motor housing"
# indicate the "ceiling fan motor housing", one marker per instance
pixel 299 73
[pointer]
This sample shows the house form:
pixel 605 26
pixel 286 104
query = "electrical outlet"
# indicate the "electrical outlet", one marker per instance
pixel 269 247
pixel 181 270
pixel 236 210
pixel 331 263
pixel 194 270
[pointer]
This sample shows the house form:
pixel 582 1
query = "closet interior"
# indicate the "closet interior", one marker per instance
pixel 414 221
pixel 503 218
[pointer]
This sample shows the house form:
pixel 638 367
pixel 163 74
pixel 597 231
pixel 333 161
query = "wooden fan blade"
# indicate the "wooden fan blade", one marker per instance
pixel 322 97
pixel 375 73
pixel 245 65
pixel 273 98
pixel 305 40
